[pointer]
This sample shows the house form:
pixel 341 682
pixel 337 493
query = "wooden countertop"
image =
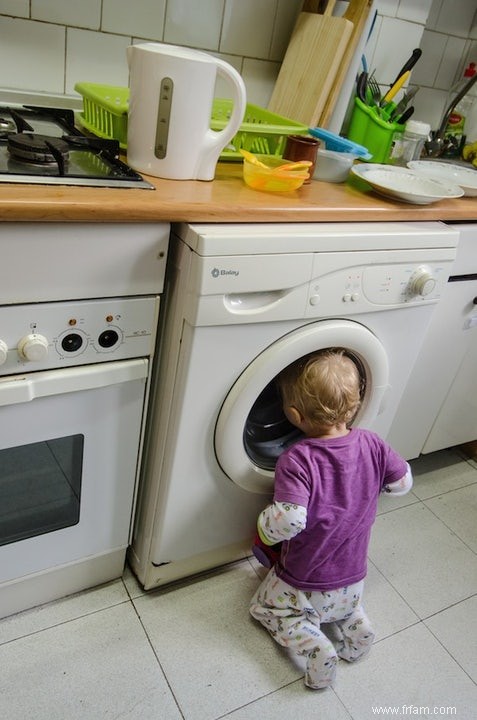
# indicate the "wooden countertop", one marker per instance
pixel 226 199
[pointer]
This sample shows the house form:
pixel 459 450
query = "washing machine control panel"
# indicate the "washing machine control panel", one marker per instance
pixel 370 287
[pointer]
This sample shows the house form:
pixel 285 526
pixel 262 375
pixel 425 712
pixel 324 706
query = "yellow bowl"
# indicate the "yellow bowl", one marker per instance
pixel 271 178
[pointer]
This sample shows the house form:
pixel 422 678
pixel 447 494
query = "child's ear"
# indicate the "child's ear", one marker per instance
pixel 293 415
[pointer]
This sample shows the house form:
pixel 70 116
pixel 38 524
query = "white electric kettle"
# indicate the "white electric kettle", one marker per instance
pixel 170 108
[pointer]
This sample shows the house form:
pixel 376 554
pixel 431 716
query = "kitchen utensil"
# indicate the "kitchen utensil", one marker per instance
pixel 332 166
pixel 402 184
pixel 310 65
pixel 270 176
pixel 416 54
pixel 301 147
pixel 357 13
pixel 302 165
pixel 340 144
pixel 368 128
pixel 375 90
pixel 407 114
pixel 361 86
pixel 395 88
pixel 170 106
pixel 398 110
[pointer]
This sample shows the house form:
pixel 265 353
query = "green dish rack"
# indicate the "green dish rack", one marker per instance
pixel 105 113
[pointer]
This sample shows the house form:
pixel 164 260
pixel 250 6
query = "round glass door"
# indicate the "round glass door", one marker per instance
pixel 252 430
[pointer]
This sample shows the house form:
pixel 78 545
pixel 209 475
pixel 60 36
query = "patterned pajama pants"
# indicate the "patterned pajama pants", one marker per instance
pixel 293 618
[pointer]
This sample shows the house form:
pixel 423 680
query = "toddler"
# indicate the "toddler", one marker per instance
pixel 326 492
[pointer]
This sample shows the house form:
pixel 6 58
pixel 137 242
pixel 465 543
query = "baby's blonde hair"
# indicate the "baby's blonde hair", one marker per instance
pixel 324 387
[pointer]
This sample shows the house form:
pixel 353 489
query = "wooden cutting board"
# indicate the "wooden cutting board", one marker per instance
pixel 311 63
pixel 357 12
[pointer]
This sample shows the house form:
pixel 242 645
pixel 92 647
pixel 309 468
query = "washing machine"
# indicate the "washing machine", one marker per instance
pixel 242 302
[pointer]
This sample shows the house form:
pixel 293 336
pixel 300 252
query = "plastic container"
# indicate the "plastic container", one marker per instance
pixel 340 144
pixel 456 125
pixel 332 166
pixel 372 131
pixel 409 146
pixel 268 178
pixel 105 113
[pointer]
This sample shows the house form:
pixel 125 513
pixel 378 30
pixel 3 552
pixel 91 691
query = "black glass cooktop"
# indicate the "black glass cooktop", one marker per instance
pixel 43 146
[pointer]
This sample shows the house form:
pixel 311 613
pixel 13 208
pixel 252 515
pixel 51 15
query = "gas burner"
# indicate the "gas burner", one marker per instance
pixel 7 126
pixel 37 149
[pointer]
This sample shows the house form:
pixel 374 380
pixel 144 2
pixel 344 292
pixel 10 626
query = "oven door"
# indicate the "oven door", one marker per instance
pixel 69 444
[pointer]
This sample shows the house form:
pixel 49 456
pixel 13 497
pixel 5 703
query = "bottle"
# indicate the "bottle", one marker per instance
pixel 408 146
pixel 456 123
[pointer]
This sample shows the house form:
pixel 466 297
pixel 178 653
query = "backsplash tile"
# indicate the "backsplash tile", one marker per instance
pixel 96 57
pixel 86 13
pixel 142 18
pixel 19 69
pixel 194 24
pixel 49 45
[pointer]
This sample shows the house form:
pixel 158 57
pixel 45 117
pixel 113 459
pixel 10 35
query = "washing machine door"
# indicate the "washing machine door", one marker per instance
pixel 251 429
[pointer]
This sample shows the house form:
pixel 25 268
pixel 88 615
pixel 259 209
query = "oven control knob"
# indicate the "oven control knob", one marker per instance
pixel 422 282
pixel 33 347
pixel 3 352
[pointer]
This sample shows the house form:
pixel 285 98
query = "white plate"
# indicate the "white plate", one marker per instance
pixel 400 183
pixel 465 177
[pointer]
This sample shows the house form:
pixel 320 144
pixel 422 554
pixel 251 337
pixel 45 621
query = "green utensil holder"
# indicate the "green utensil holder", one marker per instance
pixel 374 132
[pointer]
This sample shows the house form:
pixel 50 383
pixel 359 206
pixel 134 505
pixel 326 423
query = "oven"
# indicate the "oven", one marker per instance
pixel 79 309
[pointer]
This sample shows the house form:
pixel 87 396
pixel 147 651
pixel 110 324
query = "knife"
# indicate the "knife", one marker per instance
pixel 405 116
pixel 409 64
pixel 395 87
pixel 402 104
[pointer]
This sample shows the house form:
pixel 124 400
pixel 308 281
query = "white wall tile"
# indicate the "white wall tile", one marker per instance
pixel 95 57
pixel 141 18
pixel 259 77
pixel 414 11
pixel 434 14
pixel 247 27
pixel 429 106
pixel 287 14
pixel 456 17
pixel 433 45
pixel 194 24
pixel 395 43
pixel 388 8
pixel 451 68
pixel 86 13
pixel 16 8
pixel 23 70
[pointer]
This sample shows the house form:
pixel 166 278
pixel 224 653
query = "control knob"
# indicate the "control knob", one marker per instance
pixel 421 282
pixel 33 347
pixel 3 352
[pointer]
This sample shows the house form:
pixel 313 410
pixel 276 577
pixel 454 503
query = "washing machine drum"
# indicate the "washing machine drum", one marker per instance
pixel 252 430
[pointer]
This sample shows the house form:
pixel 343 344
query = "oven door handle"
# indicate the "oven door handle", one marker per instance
pixel 25 388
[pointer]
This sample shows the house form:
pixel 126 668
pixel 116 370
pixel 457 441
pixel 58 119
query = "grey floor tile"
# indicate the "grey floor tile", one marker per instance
pixel 410 669
pixel 458 510
pixel 97 667
pixel 215 657
pixel 63 610
pixel 456 629
pixel 294 701
pixel 441 472
pixel 386 609
pixel 421 558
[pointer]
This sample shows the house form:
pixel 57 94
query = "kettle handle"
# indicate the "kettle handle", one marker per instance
pixel 215 141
